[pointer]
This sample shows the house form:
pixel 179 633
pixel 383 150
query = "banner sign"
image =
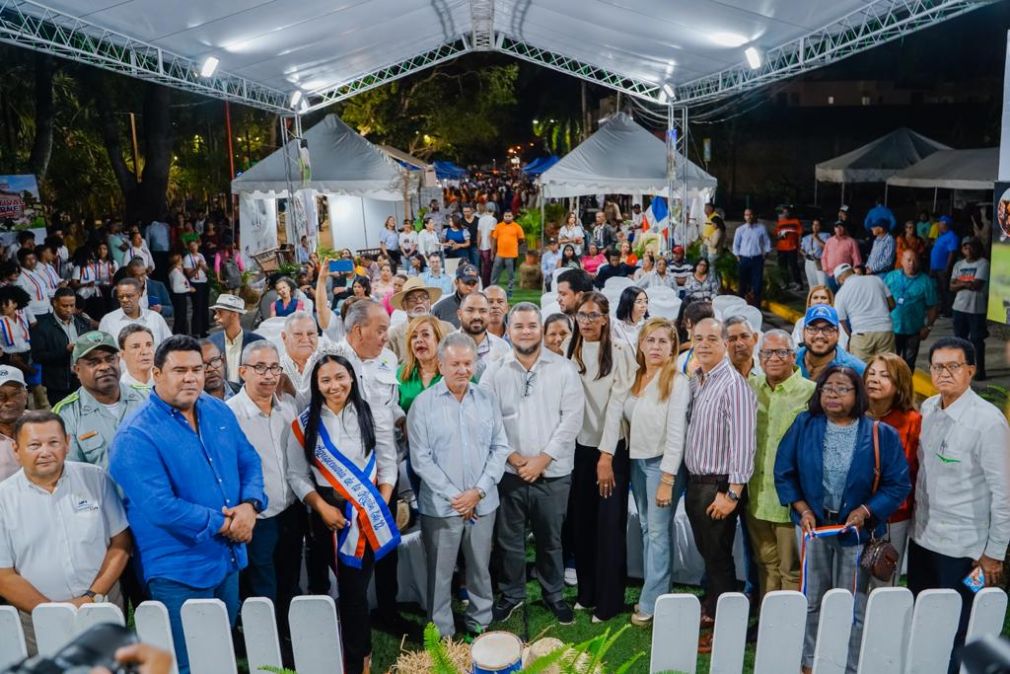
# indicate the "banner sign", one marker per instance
pixel 20 206
pixel 999 264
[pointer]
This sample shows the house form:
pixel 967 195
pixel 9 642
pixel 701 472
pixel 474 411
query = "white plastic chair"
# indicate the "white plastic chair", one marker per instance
pixel 721 303
pixel 664 307
pixel 661 293
pixel 548 298
pixel 753 315
pixel 548 309
pixel 618 283
pixel 270 330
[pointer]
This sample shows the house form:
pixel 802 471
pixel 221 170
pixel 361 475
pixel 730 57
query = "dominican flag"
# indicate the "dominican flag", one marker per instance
pixel 657 217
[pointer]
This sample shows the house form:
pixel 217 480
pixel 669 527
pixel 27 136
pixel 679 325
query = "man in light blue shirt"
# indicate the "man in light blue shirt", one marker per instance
pixel 750 244
pixel 881 259
pixel 549 261
pixel 458 449
pixel 157 236
pixel 435 277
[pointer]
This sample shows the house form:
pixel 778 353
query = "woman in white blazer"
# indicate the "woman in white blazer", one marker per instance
pixel 655 412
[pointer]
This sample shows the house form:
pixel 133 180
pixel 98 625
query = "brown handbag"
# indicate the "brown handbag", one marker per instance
pixel 879 557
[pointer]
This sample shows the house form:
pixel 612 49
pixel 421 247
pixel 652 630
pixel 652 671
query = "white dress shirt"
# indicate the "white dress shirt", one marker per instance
pixel 268 434
pixel 39 292
pixel 962 500
pixel 659 427
pixel 57 541
pixel 114 321
pixel 542 408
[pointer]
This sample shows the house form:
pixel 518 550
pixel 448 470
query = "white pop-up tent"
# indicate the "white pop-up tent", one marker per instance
pixel 878 160
pixel 952 170
pixel 362 183
pixel 622 157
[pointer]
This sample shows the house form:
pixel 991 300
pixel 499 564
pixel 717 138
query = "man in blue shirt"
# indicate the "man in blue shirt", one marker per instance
pixel 880 214
pixel 820 339
pixel 192 487
pixel 915 306
pixel 941 260
pixel 750 245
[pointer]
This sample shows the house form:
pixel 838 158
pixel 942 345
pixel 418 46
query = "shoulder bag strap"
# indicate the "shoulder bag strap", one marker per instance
pixel 876 456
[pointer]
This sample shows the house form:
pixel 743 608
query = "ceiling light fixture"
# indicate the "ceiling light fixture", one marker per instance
pixel 209 66
pixel 296 97
pixel 753 57
pixel 728 39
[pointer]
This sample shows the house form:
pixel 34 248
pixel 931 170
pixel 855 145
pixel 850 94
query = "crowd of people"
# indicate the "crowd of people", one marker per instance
pixel 176 465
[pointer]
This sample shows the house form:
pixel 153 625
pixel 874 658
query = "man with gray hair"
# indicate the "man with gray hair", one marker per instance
pixel 265 417
pixel 541 400
pixel 458 448
pixel 782 393
pixel 474 313
pixel 741 340
pixel 300 339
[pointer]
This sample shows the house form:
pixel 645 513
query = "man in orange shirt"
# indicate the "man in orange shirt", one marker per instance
pixel 505 238
pixel 788 231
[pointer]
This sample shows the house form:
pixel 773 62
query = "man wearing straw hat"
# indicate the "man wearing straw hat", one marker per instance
pixel 228 311
pixel 415 299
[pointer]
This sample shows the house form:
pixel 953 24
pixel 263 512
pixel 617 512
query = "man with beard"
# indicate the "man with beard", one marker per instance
pixel 94 412
pixel 571 285
pixel 820 348
pixel 136 345
pixel 415 299
pixel 228 311
pixel 214 382
pixel 447 308
pixel 499 303
pixel 52 339
pixel 473 318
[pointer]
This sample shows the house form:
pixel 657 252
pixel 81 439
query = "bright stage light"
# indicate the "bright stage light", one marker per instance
pixel 296 97
pixel 753 57
pixel 209 66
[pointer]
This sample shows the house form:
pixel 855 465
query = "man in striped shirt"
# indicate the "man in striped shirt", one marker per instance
pixel 719 456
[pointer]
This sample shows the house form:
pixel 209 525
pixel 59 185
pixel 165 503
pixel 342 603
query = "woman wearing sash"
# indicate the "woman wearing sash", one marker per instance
pixel 598 502
pixel 824 470
pixel 344 469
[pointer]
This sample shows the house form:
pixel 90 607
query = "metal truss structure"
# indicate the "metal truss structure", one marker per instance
pixel 25 23
pixel 878 22
pixel 29 24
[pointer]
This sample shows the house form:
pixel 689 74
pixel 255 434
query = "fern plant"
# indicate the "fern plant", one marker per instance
pixel 276 670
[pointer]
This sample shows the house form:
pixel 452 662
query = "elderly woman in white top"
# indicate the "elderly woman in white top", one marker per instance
pixel 338 430
pixel 632 310
pixel 598 507
pixel 656 415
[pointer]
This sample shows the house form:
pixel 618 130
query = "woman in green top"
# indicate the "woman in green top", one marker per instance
pixel 420 367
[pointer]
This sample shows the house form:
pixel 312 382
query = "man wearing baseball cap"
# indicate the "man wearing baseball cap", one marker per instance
pixel 13 401
pixel 93 412
pixel 228 311
pixel 415 300
pixel 864 302
pixel 447 308
pixel 820 344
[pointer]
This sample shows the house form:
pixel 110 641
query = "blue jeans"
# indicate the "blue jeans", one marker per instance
pixel 657 535
pixel 752 276
pixel 173 595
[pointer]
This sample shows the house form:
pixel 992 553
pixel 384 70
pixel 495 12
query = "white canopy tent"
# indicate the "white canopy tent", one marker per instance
pixel 622 157
pixel 362 184
pixel 879 159
pixel 952 170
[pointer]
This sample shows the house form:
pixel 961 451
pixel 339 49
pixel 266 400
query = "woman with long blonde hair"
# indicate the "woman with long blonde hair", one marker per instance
pixel 655 413
pixel 420 364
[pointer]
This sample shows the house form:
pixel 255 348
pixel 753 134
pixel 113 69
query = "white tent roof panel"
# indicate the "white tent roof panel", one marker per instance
pixel 878 160
pixel 952 170
pixel 620 158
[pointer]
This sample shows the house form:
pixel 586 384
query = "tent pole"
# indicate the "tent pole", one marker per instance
pixel 843 193
pixel 364 225
pixel 683 203
pixel 885 193
pixel 815 191
pixel 671 150
pixel 935 191
pixel 543 222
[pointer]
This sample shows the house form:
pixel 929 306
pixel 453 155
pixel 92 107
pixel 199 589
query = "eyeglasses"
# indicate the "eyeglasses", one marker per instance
pixel 528 384
pixel 781 354
pixel 642 301
pixel 837 390
pixel 263 368
pixel 821 330
pixel 583 317
pixel 214 363
pixel 951 368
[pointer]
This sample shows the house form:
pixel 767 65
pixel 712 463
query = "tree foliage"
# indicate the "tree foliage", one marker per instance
pixel 449 111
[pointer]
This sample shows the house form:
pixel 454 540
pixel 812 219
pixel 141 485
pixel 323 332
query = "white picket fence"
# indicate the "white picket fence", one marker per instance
pixel 898 637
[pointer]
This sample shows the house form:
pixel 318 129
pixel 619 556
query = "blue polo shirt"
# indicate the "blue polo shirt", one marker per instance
pixel 912 298
pixel 842 358
pixel 946 244
pixel 175 483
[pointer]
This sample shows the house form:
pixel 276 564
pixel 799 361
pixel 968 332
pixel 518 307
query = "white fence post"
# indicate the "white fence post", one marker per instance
pixel 885 630
pixel 780 632
pixel 315 635
pixel 54 626
pixel 934 623
pixel 96 614
pixel 12 637
pixel 987 614
pixel 833 629
pixel 730 637
pixel 153 627
pixel 675 627
pixel 208 637
pixel 259 629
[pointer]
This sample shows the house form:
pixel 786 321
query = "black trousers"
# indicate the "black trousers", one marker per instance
pixel 599 528
pixel 352 607
pixel 907 347
pixel 928 570
pixel 713 538
pixel 973 328
pixel 201 311
pixel 180 303
pixel 789 263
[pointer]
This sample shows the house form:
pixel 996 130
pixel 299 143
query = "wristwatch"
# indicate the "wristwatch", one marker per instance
pixel 95 597
pixel 256 504
pixel 732 495
pixel 481 493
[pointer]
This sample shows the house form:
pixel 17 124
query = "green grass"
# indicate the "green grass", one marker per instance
pixel 385 647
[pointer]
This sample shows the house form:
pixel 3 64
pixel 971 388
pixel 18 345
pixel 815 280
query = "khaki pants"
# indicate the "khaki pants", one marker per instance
pixel 775 552
pixel 866 345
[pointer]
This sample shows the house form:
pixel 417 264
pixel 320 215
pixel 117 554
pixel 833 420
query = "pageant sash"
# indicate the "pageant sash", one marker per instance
pixel 371 522
pixel 826 532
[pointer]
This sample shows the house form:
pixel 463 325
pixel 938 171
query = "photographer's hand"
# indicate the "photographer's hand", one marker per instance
pixel 147 658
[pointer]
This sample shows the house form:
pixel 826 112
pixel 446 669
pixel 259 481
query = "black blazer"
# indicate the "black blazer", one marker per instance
pixel 218 339
pixel 49 348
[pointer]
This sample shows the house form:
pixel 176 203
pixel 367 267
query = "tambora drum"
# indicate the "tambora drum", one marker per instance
pixel 496 653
